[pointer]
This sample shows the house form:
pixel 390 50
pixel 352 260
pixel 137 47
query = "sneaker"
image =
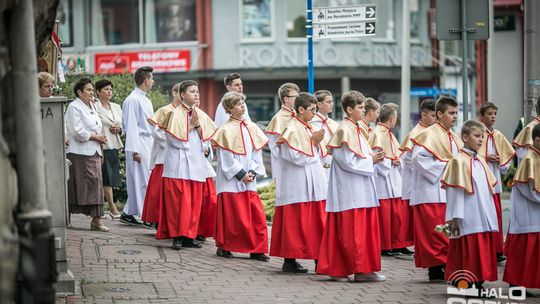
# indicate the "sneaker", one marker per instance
pixel 129 219
pixel 500 259
pixel 369 277
pixel 177 243
pixel 340 279
pixel 148 225
pixel 200 238
pixel 387 253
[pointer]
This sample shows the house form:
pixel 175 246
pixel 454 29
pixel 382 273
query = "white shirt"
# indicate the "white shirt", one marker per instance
pixel 426 182
pixel 185 159
pixel 229 164
pixel 135 111
pixel 301 177
pixel 351 183
pixel 525 216
pixel 110 118
pixel 475 212
pixel 222 116
pixel 81 122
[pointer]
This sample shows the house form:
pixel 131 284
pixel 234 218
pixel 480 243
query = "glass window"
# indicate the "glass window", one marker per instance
pixel 114 22
pixel 64 14
pixel 257 19
pixel 296 19
pixel 415 20
pixel 170 21
pixel 261 108
pixel 385 14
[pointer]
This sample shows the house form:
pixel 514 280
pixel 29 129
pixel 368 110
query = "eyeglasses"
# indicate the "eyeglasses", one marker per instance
pixel 291 96
pixel 48 86
pixel 312 109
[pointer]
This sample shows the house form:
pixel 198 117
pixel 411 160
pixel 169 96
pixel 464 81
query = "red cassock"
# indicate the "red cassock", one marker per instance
pixel 406 233
pixel 499 239
pixel 393 219
pixel 430 247
pixel 153 196
pixel 523 263
pixel 241 223
pixel 297 230
pixel 208 209
pixel 351 243
pixel 475 253
pixel 180 209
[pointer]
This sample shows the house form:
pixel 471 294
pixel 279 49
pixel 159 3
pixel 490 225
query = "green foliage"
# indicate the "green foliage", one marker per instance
pixel 268 198
pixel 508 178
pixel 123 84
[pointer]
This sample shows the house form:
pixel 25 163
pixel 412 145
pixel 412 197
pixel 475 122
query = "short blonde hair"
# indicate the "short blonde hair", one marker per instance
pixel 470 125
pixel 44 77
pixel 372 105
pixel 230 100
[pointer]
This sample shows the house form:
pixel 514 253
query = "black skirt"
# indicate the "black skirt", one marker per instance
pixel 110 168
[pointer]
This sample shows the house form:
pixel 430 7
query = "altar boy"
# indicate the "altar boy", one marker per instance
pixel 470 210
pixel 523 239
pixel 351 239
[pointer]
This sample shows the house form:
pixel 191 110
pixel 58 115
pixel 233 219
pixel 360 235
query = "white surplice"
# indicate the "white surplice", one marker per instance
pixel 496 168
pixel 157 156
pixel 301 177
pixel 407 173
pixel 351 184
pixel 525 216
pixel 136 110
pixel 475 213
pixel 185 159
pixel 387 179
pixel 229 164
pixel 327 160
pixel 222 116
pixel 426 181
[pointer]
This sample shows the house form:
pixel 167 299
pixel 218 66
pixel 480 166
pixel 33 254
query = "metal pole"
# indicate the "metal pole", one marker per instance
pixel 309 25
pixel 405 70
pixel 33 219
pixel 465 61
pixel 532 57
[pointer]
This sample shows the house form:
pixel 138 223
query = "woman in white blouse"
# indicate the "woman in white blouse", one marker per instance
pixel 111 117
pixel 85 188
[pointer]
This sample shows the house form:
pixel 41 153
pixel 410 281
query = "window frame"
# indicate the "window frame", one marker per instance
pixel 272 37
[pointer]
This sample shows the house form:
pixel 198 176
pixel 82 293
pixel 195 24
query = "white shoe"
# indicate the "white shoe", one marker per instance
pixel 369 277
pixel 340 279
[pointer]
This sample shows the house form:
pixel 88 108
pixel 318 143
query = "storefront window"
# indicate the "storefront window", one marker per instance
pixel 257 20
pixel 64 14
pixel 385 26
pixel 170 21
pixel 114 22
pixel 296 19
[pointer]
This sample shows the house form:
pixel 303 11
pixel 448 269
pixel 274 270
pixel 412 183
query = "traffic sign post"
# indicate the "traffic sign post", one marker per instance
pixel 463 20
pixel 337 22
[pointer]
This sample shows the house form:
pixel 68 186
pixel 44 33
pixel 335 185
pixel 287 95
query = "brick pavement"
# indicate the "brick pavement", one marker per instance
pixel 128 265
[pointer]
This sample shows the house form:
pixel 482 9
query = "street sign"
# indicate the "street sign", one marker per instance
pixel 448 19
pixel 344 30
pixel 344 13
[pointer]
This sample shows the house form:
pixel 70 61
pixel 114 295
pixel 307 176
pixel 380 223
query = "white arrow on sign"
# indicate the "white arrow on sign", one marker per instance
pixel 344 13
pixel 344 30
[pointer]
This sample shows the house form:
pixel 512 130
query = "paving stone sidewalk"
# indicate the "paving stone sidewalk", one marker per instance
pixel 128 265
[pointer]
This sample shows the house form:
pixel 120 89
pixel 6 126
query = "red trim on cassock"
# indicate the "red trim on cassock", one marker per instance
pixel 522 264
pixel 153 196
pixel 208 209
pixel 350 243
pixel 475 253
pixel 241 223
pixel 430 247
pixel 499 236
pixel 180 209
pixel 297 230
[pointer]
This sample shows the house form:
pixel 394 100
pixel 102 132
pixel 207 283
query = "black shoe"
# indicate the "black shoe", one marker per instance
pixel 129 219
pixel 500 258
pixel 404 251
pixel 387 253
pixel 293 267
pixel 259 257
pixel 148 225
pixel 177 243
pixel 436 274
pixel 200 238
pixel 224 253
pixel 190 243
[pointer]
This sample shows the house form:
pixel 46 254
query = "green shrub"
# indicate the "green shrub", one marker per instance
pixel 123 84
pixel 508 178
pixel 268 198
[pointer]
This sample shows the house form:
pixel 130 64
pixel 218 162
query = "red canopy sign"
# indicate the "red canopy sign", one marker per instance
pixel 128 62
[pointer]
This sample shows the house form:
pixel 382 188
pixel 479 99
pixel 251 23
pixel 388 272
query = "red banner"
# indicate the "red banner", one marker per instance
pixel 129 62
